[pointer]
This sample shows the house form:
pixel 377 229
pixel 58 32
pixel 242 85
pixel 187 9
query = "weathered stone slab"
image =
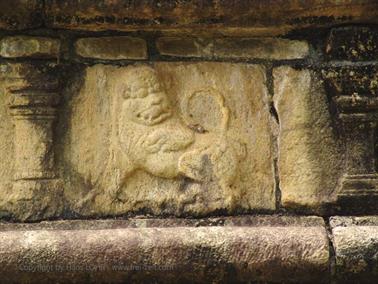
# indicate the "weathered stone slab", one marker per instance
pixel 170 138
pixel 254 17
pixel 27 46
pixel 353 43
pixel 266 253
pixel 112 48
pixel 309 158
pixel 261 48
pixel 355 240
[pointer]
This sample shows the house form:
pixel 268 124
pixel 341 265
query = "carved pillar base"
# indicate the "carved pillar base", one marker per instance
pixel 37 191
pixel 359 185
pixel 36 199
pixel 359 116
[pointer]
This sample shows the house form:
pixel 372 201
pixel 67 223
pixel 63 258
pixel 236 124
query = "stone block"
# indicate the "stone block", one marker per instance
pixel 355 240
pixel 168 138
pixel 27 46
pixel 112 48
pixel 309 151
pixel 260 48
pixel 353 43
pixel 119 251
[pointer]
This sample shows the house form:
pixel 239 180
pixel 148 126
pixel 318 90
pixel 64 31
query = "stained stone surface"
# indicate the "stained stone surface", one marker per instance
pixel 262 48
pixel 309 158
pixel 170 138
pixel 270 17
pixel 112 47
pixel 355 240
pixel 291 250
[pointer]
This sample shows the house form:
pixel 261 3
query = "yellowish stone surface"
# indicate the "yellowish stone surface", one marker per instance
pixel 310 158
pixel 170 138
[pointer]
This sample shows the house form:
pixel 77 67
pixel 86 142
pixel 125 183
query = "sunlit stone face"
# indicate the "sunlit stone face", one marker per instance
pixel 145 100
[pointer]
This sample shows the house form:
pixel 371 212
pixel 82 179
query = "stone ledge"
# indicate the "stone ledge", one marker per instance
pixel 355 241
pixel 114 253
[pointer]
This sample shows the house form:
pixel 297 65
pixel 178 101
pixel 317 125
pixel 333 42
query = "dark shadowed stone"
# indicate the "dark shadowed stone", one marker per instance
pixel 20 14
pixel 255 16
pixel 353 43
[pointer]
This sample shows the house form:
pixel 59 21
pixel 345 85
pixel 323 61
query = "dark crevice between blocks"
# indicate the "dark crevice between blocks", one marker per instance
pixel 332 252
pixel 275 131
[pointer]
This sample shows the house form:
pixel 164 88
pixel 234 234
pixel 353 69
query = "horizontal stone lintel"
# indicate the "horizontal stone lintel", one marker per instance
pixel 199 16
pixel 260 48
pixel 222 249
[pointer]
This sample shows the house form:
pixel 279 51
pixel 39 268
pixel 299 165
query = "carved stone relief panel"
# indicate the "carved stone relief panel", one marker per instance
pixel 168 138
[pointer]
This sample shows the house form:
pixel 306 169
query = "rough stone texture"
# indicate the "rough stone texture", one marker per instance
pixel 143 222
pixel 354 91
pixel 20 14
pixel 112 48
pixel 169 255
pixel 253 17
pixel 30 189
pixel 27 46
pixel 353 43
pixel 262 48
pixel 174 138
pixel 355 240
pixel 6 134
pixel 309 158
pixel 352 80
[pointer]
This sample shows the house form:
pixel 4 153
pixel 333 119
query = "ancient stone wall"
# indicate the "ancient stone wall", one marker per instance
pixel 232 141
